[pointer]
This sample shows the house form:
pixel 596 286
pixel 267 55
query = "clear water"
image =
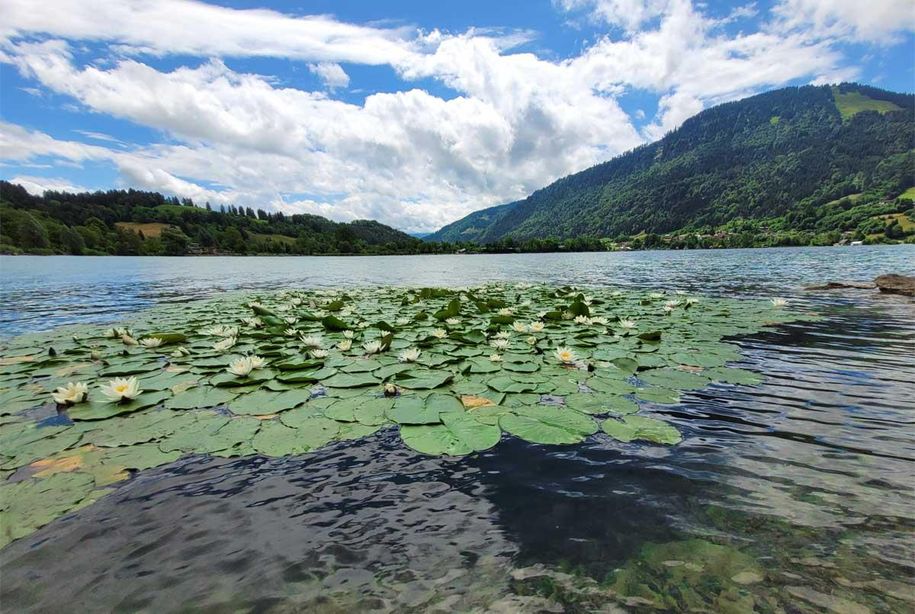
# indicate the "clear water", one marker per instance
pixel 809 476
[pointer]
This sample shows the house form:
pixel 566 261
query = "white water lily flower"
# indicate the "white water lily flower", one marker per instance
pixel 257 362
pixel 345 345
pixel 372 347
pixel 532 340
pixel 453 321
pixel 151 342
pixel 240 367
pixel 296 301
pixel 118 332
pixel 95 355
pixel 70 394
pixel 499 344
pixel 505 311
pixel 181 352
pixel 503 334
pixel 627 323
pixel 253 322
pixel 567 315
pixel 565 355
pixel 363 325
pixel 691 300
pixel 349 334
pixel 121 389
pixel 225 344
pixel 290 332
pixel 779 302
pixel 402 321
pixel 536 327
pixel 440 333
pixel 495 357
pixel 291 320
pixel 583 320
pixel 390 390
pixel 319 353
pixel 600 320
pixel 311 341
pixel 409 355
pixel 656 295
pixel 128 340
pixel 672 304
pixel 519 327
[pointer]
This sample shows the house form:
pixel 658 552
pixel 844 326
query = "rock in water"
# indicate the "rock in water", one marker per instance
pixel 896 284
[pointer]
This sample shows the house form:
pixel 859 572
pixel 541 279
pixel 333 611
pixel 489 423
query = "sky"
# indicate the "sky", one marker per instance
pixel 410 112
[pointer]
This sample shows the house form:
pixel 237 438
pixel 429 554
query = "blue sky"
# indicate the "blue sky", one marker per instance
pixel 414 113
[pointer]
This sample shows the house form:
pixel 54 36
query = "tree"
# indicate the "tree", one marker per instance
pixel 174 242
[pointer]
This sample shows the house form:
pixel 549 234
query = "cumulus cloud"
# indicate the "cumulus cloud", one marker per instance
pixel 39 185
pixel 512 122
pixel 331 74
pixel 875 21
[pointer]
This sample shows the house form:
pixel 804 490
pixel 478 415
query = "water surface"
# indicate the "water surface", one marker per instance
pixel 807 477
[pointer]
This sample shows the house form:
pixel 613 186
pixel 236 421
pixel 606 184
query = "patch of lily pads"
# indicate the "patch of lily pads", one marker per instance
pixel 454 371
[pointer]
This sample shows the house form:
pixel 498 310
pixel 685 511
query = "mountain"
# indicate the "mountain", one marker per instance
pixel 132 222
pixel 813 158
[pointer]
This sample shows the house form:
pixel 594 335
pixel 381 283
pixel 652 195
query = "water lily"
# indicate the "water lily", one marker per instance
pixel 505 311
pixel 291 320
pixel 128 340
pixel 440 333
pixel 349 334
pixel 225 344
pixel 345 345
pixel 536 327
pixel 779 302
pixel 151 342
pixel 121 389
pixel 95 355
pixel 567 315
pixel 402 321
pixel 363 324
pixel 532 340
pixel 495 357
pixel 240 367
pixel 656 295
pixel 519 327
pixel 565 355
pixel 583 320
pixel 319 353
pixel 627 323
pixel 409 355
pixel 372 347
pixel 257 362
pixel 691 300
pixel 672 304
pixel 390 390
pixel 253 322
pixel 70 394
pixel 290 332
pixel 499 344
pixel 599 320
pixel 311 341
pixel 453 321
pixel 181 352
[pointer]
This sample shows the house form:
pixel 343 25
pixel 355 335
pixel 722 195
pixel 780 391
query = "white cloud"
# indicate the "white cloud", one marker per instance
pixel 514 123
pixel 38 185
pixel 331 74
pixel 875 21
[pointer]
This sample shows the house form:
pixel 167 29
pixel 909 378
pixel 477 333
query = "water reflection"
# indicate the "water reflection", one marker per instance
pixel 800 488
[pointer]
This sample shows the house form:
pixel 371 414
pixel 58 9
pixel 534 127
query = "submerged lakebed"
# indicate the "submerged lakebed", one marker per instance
pixel 793 492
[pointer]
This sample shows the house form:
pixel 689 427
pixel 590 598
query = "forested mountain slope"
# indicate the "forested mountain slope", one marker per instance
pixel 786 156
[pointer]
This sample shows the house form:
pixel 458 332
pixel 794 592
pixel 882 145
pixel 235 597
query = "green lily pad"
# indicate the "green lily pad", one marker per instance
pixel 548 425
pixel 102 409
pixel 200 397
pixel 351 380
pixel 264 402
pixel 632 428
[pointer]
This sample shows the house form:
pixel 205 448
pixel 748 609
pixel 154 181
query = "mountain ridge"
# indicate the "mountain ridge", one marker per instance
pixel 781 152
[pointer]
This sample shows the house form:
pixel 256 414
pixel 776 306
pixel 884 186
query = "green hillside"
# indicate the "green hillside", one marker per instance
pixel 132 222
pixel 778 163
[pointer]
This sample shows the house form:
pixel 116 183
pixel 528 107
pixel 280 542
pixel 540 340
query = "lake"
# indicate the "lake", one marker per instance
pixel 808 475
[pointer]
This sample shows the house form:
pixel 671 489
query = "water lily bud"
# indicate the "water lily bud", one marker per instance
pixel 95 355
pixel 390 390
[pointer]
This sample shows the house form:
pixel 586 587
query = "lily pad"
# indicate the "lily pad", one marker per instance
pixel 632 428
